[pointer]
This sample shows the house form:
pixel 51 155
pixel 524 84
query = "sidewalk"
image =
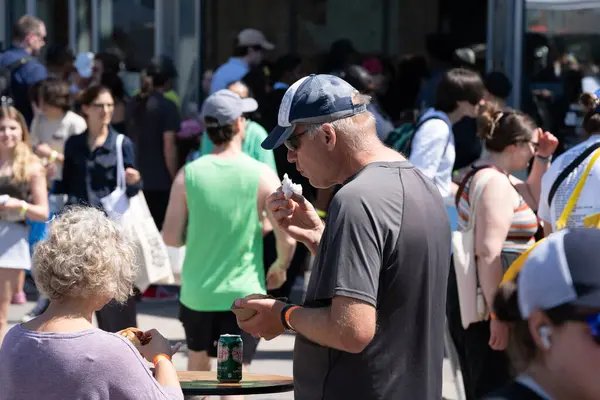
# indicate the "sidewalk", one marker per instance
pixel 274 357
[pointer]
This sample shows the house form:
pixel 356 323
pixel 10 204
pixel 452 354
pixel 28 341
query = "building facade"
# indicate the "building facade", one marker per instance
pixel 199 34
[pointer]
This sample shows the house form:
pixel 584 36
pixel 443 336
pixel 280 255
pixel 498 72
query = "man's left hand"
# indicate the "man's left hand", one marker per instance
pixel 267 322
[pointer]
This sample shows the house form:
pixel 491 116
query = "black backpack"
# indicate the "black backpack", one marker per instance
pixel 6 72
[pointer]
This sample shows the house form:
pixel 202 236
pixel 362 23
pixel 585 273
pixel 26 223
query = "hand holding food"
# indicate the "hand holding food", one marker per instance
pixel 290 188
pixel 136 336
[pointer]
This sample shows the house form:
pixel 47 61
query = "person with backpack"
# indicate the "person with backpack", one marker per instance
pixel 430 143
pixel 563 176
pixel 19 67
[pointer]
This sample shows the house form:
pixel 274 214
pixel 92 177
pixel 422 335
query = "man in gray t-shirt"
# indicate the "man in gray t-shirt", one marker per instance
pixel 372 323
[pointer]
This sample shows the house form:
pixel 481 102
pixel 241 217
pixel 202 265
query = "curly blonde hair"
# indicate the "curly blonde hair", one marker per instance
pixel 24 158
pixel 85 255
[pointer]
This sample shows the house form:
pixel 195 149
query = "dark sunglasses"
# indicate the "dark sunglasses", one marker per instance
pixel 293 142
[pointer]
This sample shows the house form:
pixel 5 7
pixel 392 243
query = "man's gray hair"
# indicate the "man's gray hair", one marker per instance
pixel 353 128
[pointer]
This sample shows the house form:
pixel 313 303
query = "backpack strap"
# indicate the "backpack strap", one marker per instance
pixel 15 65
pixel 570 168
pixel 420 122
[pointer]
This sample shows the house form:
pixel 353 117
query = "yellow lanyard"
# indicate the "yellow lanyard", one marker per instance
pixel 515 267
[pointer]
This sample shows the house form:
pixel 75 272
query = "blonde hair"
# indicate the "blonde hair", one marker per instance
pixel 85 255
pixel 23 157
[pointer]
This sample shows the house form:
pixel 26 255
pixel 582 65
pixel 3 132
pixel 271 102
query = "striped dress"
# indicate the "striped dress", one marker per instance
pixel 522 230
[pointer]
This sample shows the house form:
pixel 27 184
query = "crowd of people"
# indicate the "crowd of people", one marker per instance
pixel 384 202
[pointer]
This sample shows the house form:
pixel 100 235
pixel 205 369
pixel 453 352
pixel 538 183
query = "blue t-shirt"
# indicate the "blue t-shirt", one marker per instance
pixel 23 78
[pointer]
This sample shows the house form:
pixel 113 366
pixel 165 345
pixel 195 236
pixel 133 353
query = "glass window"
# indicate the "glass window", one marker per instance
pixel 560 36
pixel 16 9
pixel 187 52
pixel 127 26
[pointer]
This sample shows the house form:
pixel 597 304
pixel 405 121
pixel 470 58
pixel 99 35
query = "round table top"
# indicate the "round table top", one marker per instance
pixel 205 383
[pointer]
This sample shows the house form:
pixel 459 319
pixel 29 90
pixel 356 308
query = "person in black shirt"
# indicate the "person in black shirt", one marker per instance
pixel 553 310
pixel 90 173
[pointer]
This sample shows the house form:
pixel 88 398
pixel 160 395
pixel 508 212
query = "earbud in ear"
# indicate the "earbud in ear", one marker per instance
pixel 545 333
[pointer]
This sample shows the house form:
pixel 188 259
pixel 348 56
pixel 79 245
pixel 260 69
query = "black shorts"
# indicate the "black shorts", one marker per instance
pixel 203 329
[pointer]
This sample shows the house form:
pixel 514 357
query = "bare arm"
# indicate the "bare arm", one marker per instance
pixel 170 152
pixel 495 211
pixel 38 209
pixel 347 325
pixel 177 213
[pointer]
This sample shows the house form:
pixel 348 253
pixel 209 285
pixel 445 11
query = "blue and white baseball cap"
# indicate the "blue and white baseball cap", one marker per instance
pixel 562 269
pixel 314 99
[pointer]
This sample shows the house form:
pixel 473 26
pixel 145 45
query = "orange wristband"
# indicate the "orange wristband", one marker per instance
pixel 493 316
pixel 286 316
pixel 159 357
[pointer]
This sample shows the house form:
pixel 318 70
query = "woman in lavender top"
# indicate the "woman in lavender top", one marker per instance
pixel 85 262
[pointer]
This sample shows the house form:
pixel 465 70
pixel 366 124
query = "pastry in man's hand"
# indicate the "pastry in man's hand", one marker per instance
pixel 136 336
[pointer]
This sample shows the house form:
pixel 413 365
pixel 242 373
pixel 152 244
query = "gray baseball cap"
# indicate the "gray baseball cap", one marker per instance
pixel 562 269
pixel 226 106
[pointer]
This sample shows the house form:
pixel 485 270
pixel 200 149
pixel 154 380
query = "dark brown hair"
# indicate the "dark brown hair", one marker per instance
pixel 91 94
pixel 500 128
pixel 221 134
pixel 56 93
pixel 456 85
pixel 591 121
pixel 522 349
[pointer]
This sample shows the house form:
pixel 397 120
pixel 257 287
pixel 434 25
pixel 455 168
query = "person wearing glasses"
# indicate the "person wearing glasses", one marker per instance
pixel 553 309
pixel 506 225
pixel 90 173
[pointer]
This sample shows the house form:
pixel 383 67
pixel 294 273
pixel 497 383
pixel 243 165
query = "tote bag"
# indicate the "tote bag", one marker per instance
pixel 134 215
pixel 471 301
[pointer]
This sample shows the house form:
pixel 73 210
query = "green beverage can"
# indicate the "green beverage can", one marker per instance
pixel 229 358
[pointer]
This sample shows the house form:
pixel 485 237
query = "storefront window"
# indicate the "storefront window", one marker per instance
pixel 127 26
pixel 561 35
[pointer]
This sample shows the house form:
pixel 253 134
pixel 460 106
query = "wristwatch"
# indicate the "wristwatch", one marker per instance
pixel 543 159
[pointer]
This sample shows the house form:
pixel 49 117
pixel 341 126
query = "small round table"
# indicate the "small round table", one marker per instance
pixel 205 383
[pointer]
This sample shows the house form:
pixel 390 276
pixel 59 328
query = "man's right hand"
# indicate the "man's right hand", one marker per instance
pixel 297 217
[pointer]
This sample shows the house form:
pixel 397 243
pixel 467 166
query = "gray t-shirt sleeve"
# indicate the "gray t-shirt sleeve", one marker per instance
pixel 134 377
pixel 351 249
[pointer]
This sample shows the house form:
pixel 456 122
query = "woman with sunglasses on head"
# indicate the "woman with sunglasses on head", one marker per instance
pixel 23 195
pixel 505 227
pixel 553 310
pixel 90 173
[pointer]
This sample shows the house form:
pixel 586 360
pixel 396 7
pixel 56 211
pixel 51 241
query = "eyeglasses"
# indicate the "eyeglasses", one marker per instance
pixel 103 105
pixel 536 145
pixel 293 142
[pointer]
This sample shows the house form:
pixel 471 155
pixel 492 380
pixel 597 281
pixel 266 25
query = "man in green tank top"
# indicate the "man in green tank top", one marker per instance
pixel 217 207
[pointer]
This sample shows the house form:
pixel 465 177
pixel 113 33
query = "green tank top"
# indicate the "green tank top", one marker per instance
pixel 224 243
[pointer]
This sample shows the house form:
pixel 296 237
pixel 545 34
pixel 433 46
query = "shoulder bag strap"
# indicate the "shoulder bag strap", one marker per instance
pixel 565 172
pixel 566 213
pixel 474 196
pixel 121 183
pixel 463 183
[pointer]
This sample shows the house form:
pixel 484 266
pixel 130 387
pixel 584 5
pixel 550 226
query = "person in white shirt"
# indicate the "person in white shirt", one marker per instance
pixel 589 201
pixel 459 95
